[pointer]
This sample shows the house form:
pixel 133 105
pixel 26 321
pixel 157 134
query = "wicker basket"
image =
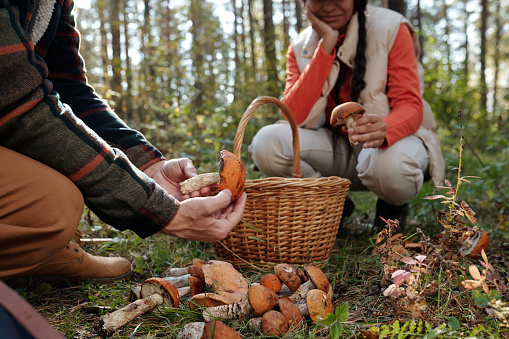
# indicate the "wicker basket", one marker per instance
pixel 291 220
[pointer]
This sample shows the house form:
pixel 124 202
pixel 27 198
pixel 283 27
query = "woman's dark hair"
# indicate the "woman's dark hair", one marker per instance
pixel 357 82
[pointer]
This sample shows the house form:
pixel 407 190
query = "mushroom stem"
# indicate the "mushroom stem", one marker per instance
pixel 110 322
pixel 348 123
pixel 199 181
pixel 301 292
pixel 192 330
pixel 176 272
pixel 178 282
pixel 228 311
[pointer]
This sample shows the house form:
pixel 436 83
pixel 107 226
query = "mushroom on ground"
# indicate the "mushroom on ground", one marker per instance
pixel 154 292
pixel 231 175
pixel 474 244
pixel 274 323
pixel 195 287
pixel 261 299
pixel 291 312
pixel 212 329
pixel 318 304
pixel 318 278
pixel 230 289
pixel 222 278
pixel 288 276
pixel 289 309
pixel 219 330
pixel 205 300
pixel 271 281
pixel 346 114
pixel 195 270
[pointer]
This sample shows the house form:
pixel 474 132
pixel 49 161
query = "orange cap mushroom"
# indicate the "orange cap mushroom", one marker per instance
pixel 474 244
pixel 154 292
pixel 318 278
pixel 274 323
pixel 288 276
pixel 345 114
pixel 291 312
pixel 318 304
pixel 271 281
pixel 217 329
pixel 261 299
pixel 231 175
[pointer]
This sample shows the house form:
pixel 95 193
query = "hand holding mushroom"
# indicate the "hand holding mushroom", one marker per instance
pixel 231 175
pixel 368 128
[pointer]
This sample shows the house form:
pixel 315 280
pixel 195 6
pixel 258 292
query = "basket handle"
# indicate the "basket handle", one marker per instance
pixel 239 136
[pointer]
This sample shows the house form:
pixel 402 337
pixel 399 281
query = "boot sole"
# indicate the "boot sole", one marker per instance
pixel 17 282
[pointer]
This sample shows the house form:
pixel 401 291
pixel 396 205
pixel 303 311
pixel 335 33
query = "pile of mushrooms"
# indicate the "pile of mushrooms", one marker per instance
pixel 276 304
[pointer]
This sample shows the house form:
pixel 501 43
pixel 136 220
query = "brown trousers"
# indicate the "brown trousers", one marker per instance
pixel 40 210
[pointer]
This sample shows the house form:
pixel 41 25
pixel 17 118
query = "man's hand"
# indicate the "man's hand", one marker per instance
pixel 370 129
pixel 207 218
pixel 169 173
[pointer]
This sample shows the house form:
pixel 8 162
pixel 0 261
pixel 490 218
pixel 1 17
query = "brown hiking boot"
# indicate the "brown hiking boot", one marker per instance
pixel 73 264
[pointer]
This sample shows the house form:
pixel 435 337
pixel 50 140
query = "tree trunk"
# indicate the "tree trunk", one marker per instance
pixel 270 50
pixel 116 62
pixel 298 15
pixel 286 25
pixel 398 6
pixel 128 97
pixel 496 60
pixel 483 86
pixel 104 41
pixel 235 50
pixel 466 14
pixel 251 34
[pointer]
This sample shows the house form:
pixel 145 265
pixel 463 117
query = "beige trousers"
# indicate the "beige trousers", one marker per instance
pixel 395 174
pixel 40 210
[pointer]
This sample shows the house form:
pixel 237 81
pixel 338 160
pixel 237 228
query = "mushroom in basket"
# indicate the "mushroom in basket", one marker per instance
pixel 231 175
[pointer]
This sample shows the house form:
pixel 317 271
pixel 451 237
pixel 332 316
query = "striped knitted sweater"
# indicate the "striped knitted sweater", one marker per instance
pixel 50 113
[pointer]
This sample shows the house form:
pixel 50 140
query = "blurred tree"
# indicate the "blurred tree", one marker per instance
pixel 116 62
pixel 273 84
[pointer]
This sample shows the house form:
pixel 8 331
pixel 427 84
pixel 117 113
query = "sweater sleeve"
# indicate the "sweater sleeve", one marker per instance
pixel 403 89
pixel 303 90
pixel 67 73
pixel 34 121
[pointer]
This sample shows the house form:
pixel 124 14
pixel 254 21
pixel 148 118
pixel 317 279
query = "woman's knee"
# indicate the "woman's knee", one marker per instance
pixel 271 150
pixel 396 177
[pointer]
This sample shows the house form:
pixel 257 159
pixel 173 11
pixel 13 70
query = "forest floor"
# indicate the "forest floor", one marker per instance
pixel 433 304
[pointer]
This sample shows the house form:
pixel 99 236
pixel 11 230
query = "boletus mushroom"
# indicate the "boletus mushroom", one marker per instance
pixel 288 275
pixel 318 304
pixel 474 244
pixel 261 299
pixel 271 281
pixel 231 175
pixel 154 292
pixel 346 114
pixel 217 329
pixel 274 323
